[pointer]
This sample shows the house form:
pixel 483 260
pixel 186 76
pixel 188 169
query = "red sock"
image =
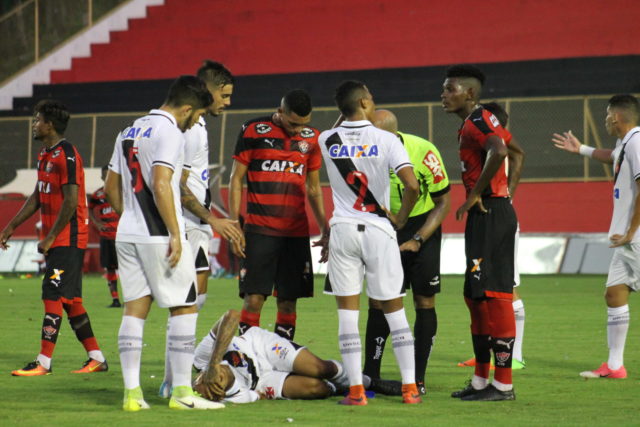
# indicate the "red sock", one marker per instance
pixel 50 326
pixel 286 325
pixel 247 320
pixel 480 335
pixel 503 331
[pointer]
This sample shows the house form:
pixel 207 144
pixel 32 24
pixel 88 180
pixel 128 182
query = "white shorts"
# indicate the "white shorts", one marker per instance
pixel 144 270
pixel 625 267
pixel 516 271
pixel 199 243
pixel 358 251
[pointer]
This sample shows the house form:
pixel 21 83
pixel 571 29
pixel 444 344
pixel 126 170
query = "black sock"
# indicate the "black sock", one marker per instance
pixel 482 348
pixel 376 337
pixel 424 331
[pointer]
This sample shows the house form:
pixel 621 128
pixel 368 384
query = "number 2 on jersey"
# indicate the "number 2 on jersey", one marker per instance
pixel 362 186
pixel 133 164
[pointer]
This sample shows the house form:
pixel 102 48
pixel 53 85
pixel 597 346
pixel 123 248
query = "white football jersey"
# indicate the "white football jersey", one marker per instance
pixel 626 161
pixel 196 160
pixel 152 140
pixel 358 157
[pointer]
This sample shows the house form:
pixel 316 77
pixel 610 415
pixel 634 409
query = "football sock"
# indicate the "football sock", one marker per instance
pixel 518 312
pixel 350 345
pixel 403 348
pixel 202 298
pixel 479 382
pixel 81 325
pixel 130 348
pixel 50 330
pixel 503 329
pixel 247 320
pixel 480 338
pixel 286 325
pixel 112 282
pixel 375 339
pixel 617 327
pixel 167 360
pixel 424 329
pixel 181 339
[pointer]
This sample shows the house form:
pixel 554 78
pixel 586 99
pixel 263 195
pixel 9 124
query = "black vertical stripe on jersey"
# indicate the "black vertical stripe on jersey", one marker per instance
pixel 346 166
pixel 480 124
pixel 152 218
pixel 72 165
pixel 72 174
pixel 616 170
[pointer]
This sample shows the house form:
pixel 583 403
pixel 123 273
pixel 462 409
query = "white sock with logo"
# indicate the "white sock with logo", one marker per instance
pixel 130 348
pixel 181 341
pixel 403 348
pixel 617 327
pixel 350 345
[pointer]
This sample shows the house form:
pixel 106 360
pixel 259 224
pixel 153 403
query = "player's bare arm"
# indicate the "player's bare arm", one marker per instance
pixel 569 143
pixel 30 206
pixel 432 222
pixel 316 201
pixel 226 227
pixel 67 210
pixel 113 191
pixel 211 383
pixel 515 153
pixel 620 240
pixel 496 153
pixel 163 195
pixel 238 172
pixel 409 197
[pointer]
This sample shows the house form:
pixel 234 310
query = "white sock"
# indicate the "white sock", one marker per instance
pixel 341 377
pixel 502 387
pixel 617 327
pixel 96 355
pixel 44 361
pixel 182 340
pixel 402 341
pixel 350 345
pixel 130 348
pixel 518 311
pixel 167 360
pixel 201 300
pixel 479 382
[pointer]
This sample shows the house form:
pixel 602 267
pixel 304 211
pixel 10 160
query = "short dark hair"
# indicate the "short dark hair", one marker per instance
pixel 347 96
pixel 215 73
pixel 626 102
pixel 189 90
pixel 466 71
pixel 497 110
pixel 54 112
pixel 297 101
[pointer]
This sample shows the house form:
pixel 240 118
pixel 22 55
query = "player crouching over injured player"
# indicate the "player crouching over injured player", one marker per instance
pixel 262 365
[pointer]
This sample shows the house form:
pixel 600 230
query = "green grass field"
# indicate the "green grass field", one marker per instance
pixel 564 334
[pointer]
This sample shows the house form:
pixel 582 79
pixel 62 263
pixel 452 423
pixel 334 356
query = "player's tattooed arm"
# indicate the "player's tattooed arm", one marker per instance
pixel 30 206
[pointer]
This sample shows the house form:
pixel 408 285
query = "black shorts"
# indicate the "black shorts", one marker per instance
pixel 63 275
pixel 422 268
pixel 108 255
pixel 278 266
pixel 489 247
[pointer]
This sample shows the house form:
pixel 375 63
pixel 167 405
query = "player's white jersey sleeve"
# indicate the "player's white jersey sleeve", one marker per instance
pixel 358 158
pixel 196 161
pixel 116 156
pixel 240 394
pixel 626 173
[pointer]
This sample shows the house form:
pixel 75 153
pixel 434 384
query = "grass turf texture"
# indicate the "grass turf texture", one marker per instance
pixel 564 334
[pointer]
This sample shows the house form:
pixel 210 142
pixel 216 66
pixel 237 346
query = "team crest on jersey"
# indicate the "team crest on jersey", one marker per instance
pixel 282 166
pixel 303 146
pixel 340 151
pixel 263 128
pixel 49 167
pixel 307 133
pixel 431 161
pixel 269 393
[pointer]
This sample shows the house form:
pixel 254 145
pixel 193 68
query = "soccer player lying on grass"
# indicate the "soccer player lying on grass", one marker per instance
pixel 262 365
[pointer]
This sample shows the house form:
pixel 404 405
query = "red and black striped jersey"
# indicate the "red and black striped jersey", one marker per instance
pixel 472 137
pixel 98 202
pixel 276 178
pixel 57 166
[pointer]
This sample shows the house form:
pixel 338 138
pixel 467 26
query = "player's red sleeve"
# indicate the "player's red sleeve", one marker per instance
pixel 315 156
